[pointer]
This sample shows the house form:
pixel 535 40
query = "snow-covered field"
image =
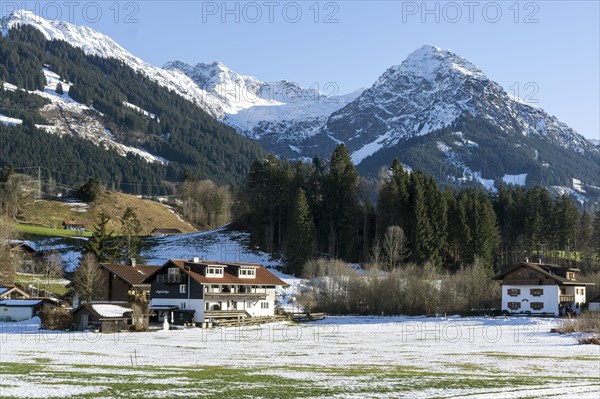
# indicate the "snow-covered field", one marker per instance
pixel 342 357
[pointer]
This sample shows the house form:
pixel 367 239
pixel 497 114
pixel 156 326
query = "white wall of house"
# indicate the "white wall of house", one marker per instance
pixel 263 307
pixel 195 304
pixel 15 313
pixel 254 307
pixel 549 298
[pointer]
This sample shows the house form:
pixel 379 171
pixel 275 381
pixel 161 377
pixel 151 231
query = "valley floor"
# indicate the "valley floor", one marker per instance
pixel 339 357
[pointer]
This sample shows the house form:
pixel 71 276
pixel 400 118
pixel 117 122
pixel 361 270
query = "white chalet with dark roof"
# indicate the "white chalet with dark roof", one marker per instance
pixel 541 288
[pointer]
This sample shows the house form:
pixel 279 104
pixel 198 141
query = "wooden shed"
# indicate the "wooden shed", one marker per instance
pixel 104 317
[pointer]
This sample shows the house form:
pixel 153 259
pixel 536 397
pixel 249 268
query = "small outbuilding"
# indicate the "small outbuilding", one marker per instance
pixel 165 232
pixel 73 225
pixel 22 309
pixel 594 304
pixel 12 292
pixel 104 317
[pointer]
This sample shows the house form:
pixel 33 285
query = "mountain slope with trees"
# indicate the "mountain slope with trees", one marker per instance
pixel 181 133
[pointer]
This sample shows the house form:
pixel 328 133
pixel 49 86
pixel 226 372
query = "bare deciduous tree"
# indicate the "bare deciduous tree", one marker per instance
pixel 88 280
pixel 205 203
pixel 394 246
pixel 8 263
pixel 54 269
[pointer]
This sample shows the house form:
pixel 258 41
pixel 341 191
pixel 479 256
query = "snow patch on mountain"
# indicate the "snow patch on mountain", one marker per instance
pixel 8 121
pixel 140 110
pixel 517 180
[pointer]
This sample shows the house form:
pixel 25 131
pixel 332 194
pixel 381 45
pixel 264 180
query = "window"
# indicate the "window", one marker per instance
pixel 536 292
pixel 571 275
pixel 514 305
pixel 182 289
pixel 264 305
pixel 182 305
pixel 513 292
pixel 536 305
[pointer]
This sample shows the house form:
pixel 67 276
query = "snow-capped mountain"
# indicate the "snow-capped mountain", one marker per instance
pixel 278 114
pixel 436 110
pixel 95 43
pixel 430 90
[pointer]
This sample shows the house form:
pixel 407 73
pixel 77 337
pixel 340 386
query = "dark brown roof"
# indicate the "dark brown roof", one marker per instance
pixel 557 273
pixel 72 223
pixel 166 231
pixel 90 309
pixel 196 271
pixel 595 299
pixel 133 275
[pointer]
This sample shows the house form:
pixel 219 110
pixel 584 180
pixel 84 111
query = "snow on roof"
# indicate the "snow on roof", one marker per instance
pixel 107 310
pixel 3 290
pixel 20 302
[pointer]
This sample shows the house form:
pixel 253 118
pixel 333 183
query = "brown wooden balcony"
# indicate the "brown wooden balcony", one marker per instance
pixel 566 298
pixel 234 296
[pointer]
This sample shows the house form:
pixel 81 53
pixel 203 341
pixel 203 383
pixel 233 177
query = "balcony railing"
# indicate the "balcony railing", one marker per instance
pixel 566 298
pixel 236 296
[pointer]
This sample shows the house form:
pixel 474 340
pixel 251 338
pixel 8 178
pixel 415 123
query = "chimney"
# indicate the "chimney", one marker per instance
pixel 196 260
pixel 540 261
pixel 526 260
pixel 133 262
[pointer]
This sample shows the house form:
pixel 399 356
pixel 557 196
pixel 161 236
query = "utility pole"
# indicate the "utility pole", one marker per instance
pixel 39 175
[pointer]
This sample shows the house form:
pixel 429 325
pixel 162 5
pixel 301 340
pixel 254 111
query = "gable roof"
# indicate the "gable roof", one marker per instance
pixel 106 310
pixel 21 302
pixel 554 272
pixel 196 271
pixel 166 231
pixel 72 223
pixel 132 275
pixel 6 290
pixel 16 245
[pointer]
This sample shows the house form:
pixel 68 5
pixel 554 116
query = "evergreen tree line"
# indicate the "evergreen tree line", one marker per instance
pixel 307 211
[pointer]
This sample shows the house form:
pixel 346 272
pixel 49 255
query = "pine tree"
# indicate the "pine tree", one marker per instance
pixel 103 244
pixel 421 227
pixel 341 205
pixel 596 235
pixel 300 240
pixel 59 88
pixel 130 230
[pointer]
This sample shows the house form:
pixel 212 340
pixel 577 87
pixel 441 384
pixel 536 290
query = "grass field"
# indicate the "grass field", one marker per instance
pixel 45 217
pixel 49 231
pixel 25 279
pixel 340 357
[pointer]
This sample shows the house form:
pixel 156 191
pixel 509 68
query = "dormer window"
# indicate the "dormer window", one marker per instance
pixel 570 275
pixel 246 272
pixel 214 271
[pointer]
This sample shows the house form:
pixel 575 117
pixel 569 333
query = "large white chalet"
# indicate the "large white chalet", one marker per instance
pixel 210 289
pixel 542 289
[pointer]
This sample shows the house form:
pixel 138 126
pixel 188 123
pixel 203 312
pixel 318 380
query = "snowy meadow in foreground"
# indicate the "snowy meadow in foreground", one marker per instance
pixel 343 357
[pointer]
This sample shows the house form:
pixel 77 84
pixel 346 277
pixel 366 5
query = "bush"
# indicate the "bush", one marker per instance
pixel 589 339
pixel 56 318
pixel 588 322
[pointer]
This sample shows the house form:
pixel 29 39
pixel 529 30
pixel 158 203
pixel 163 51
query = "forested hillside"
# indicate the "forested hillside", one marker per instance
pixel 163 124
pixel 306 211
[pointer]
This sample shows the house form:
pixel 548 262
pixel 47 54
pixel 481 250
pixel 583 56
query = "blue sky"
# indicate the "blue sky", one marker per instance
pixel 546 51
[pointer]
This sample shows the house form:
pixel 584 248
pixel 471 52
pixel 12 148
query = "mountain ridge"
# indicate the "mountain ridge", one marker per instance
pixel 432 90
